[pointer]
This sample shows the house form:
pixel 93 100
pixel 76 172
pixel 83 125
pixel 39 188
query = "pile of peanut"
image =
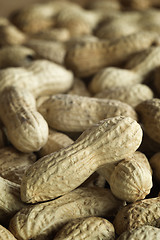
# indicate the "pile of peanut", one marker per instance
pixel 80 121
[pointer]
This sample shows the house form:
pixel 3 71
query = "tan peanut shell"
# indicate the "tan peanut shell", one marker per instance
pixel 33 18
pixel 10 201
pixel 5 234
pixel 13 163
pixel 74 20
pixel 10 35
pixel 79 88
pixel 112 77
pixel 87 228
pixel 42 221
pixel 145 232
pixel 26 128
pixel 15 56
pixel 89 58
pixel 54 34
pixel 155 165
pixel 132 95
pixel 41 77
pixel 56 141
pixel 131 180
pixel 4 21
pixel 50 50
pixel 60 111
pixel 135 215
pixel 149 112
pixel 58 173
pixel 145 62
pixel 117 28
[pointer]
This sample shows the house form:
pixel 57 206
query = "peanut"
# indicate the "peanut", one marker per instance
pixel 145 62
pixel 26 128
pixel 10 35
pixel 53 215
pixel 149 116
pixel 135 215
pixel 41 77
pixel 55 142
pixel 109 141
pixel 10 201
pixel 95 228
pixel 113 77
pixel 132 95
pixel 55 34
pixel 53 51
pixel 13 164
pixel 145 232
pixel 130 179
pixel 91 57
pixel 15 56
pixel 33 19
pixel 60 111
pixel 5 234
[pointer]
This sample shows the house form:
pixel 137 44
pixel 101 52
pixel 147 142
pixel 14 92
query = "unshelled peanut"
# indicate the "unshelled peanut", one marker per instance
pixel 58 173
pixel 52 215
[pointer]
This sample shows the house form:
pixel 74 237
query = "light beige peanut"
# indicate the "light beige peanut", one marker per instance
pixel 91 57
pixel 26 129
pixel 33 18
pixel 13 163
pixel 155 165
pixel 130 179
pixel 41 77
pixel 54 34
pixel 56 141
pixel 74 20
pixel 145 232
pixel 5 234
pixel 16 56
pixel 117 28
pixel 10 201
pixel 60 111
pixel 87 228
pixel 112 77
pixel 4 21
pixel 109 141
pixel 53 215
pixel 79 88
pixel 132 95
pixel 135 215
pixel 149 111
pixel 50 50
pixel 145 62
pixel 10 35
